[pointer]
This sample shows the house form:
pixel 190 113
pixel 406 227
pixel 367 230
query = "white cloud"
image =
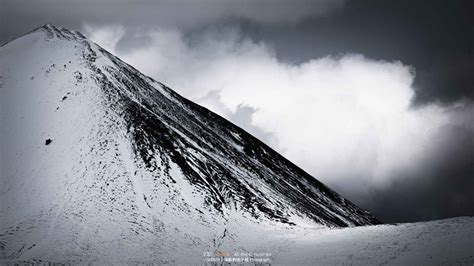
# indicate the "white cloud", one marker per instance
pixel 346 120
pixel 107 36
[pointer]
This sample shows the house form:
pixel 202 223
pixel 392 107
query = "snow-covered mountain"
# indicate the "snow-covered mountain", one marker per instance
pixel 101 161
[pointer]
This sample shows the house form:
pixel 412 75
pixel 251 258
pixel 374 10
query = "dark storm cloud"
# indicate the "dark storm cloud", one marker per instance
pixel 22 15
pixel 446 186
pixel 448 80
pixel 441 187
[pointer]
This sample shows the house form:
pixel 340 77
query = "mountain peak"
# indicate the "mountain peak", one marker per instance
pixel 53 31
pixel 48 25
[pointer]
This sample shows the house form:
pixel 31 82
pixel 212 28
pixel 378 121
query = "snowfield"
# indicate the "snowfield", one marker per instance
pixel 443 242
pixel 101 164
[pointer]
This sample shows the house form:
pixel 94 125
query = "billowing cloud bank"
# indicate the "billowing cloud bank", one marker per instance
pixel 346 120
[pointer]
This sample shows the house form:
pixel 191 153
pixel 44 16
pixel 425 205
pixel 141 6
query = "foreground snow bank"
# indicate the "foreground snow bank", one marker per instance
pixel 443 242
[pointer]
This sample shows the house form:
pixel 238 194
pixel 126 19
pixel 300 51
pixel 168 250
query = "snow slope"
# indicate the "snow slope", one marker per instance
pixel 443 242
pixel 100 163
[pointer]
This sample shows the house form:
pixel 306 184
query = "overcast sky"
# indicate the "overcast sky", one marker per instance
pixel 374 98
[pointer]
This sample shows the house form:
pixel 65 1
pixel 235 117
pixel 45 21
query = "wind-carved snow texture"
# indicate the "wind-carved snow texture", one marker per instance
pixel 103 164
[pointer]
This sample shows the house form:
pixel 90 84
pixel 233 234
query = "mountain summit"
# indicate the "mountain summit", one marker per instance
pixel 101 161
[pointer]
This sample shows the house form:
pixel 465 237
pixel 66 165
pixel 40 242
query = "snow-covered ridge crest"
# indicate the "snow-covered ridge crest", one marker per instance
pixel 97 152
